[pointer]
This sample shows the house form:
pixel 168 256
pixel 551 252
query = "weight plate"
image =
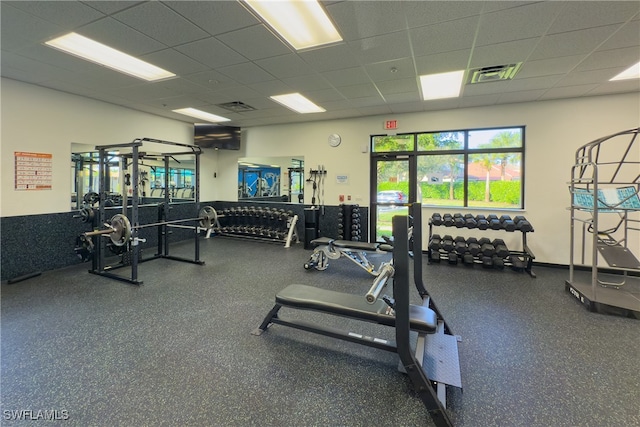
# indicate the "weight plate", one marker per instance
pixel 208 217
pixel 121 230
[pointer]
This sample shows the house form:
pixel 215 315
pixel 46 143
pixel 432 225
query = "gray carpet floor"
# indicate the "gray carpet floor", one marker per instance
pixel 177 351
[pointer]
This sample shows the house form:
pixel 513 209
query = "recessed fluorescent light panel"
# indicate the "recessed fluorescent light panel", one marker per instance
pixel 443 85
pixel 632 72
pixel 303 24
pixel 298 103
pixel 91 50
pixel 207 117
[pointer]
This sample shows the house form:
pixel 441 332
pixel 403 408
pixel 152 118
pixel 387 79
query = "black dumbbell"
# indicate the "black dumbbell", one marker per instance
pixel 486 247
pixel 436 219
pixel 467 258
pixel 487 261
pixel 482 222
pixel 447 243
pixel 470 221
pixel 507 223
pixel 524 226
pixel 434 242
pixel 452 257
pixel 448 220
pixel 494 222
pixel 501 248
pixel 497 262
pixel 434 256
pixel 460 245
pixel 459 221
pixel 474 247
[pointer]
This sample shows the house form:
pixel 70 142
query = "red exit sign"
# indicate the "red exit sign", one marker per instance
pixel 391 124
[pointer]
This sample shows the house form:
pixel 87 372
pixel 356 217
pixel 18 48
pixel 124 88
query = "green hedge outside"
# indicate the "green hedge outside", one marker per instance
pixel 501 191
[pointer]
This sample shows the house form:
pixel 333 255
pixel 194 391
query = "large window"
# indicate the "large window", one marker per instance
pixel 463 168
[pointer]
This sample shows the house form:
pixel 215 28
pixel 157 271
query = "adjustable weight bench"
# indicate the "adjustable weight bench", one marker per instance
pixel 431 364
pixel 303 297
pixel 328 248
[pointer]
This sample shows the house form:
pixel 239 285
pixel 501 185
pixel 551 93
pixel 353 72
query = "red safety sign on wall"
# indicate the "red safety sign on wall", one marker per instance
pixel 391 124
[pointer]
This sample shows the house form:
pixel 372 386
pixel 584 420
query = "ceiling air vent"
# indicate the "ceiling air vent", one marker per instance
pixel 494 73
pixel 236 106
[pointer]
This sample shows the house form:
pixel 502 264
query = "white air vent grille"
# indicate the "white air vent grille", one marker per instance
pixel 236 106
pixel 494 73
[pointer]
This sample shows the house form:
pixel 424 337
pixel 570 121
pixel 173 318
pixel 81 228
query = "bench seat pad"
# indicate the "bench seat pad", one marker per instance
pixel 359 246
pixel 304 297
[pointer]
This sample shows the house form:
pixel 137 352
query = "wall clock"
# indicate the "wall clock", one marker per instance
pixel 334 140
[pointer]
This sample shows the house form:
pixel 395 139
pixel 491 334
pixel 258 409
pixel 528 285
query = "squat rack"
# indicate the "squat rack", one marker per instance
pixel 99 266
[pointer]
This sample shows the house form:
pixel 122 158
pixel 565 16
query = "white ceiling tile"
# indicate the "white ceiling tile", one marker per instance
pixel 71 16
pixel 324 95
pixel 578 15
pixel 624 58
pixel 442 62
pixel 486 88
pixel 546 67
pixel 361 19
pixel 358 91
pixel 532 83
pixel 368 101
pixel 211 52
pixel 270 87
pixel 246 73
pixel 568 91
pixel 389 87
pixel 502 53
pixel 478 101
pixel 346 76
pixel 328 58
pixel 376 110
pixel 306 83
pixel 161 23
pixel 215 17
pixel 406 97
pixel 391 70
pixel 572 42
pixel 622 86
pixel 244 41
pixel 516 23
pixel 522 96
pixel 588 77
pixel 409 107
pixel 212 79
pixel 174 61
pixel 381 48
pixel 626 36
pixel 421 13
pixel 18 24
pixel 444 37
pixel 289 65
pixel 111 6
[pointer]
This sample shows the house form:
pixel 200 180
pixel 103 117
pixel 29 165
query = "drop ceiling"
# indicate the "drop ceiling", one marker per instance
pixel 222 54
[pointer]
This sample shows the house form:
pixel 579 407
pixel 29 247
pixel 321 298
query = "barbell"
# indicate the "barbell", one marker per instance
pixel 119 227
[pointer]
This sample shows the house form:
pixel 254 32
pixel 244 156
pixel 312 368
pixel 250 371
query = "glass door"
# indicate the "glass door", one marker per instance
pixel 391 193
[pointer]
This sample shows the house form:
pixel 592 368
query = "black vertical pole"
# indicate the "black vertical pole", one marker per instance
pixel 134 215
pixel 167 200
pixel 197 200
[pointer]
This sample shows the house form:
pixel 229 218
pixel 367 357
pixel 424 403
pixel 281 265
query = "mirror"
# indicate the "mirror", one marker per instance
pixel 271 179
pixel 152 178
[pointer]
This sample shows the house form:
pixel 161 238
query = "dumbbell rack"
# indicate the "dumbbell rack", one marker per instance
pixel 265 224
pixel 349 223
pixel 489 254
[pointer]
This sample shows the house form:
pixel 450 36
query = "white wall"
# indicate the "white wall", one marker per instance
pixel 35 119
pixel 42 120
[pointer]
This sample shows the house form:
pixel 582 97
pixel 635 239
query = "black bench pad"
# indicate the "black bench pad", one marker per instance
pixel 423 319
pixel 359 246
pixel 321 241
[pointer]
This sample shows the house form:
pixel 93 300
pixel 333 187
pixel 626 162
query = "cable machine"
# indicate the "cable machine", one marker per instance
pixel 605 221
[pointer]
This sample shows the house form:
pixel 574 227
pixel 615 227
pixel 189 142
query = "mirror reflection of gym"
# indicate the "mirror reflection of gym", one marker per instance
pixel 271 179
pixel 151 185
